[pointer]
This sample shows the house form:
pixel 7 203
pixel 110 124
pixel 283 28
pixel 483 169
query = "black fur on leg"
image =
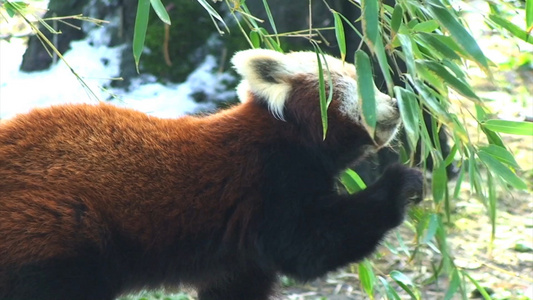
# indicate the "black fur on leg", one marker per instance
pixel 252 284
pixel 333 230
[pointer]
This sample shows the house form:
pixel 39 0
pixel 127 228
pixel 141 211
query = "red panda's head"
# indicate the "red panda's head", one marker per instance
pixel 288 85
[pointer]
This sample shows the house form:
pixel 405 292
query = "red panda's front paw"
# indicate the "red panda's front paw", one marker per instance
pixel 406 184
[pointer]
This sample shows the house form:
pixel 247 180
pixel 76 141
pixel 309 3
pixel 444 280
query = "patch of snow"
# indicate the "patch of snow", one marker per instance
pixel 97 65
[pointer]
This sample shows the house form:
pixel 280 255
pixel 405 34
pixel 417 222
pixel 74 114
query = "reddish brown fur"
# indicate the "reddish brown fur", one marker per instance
pixel 97 200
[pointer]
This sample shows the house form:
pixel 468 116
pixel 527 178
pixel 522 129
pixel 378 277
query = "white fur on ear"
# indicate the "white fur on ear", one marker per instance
pixel 265 74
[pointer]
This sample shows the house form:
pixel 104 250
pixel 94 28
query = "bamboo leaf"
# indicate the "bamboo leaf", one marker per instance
pixel 502 171
pixel 160 11
pixel 255 39
pixel 512 28
pixel 407 49
pixel 439 46
pixel 212 12
pixel 379 50
pixel 510 127
pixel 339 34
pixel 366 89
pixel 370 20
pixel 409 111
pixel 13 7
pixel 427 26
pixel 458 85
pixel 481 289
pixel 439 183
pixel 396 19
pixel 139 33
pixel 324 102
pixel 458 32
pixel 352 181
pixel 529 14
pixel 433 224
pixel 271 19
pixel 453 286
pixel 404 282
pixel 391 293
pixel 501 154
pixel 367 277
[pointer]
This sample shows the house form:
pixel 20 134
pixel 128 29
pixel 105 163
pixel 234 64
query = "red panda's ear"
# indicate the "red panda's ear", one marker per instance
pixel 266 75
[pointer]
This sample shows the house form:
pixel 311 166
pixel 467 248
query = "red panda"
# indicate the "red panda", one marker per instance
pixel 97 201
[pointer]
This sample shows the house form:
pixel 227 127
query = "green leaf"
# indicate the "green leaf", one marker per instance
pixel 366 88
pixel 439 183
pixel 455 282
pixel 367 277
pixel 529 14
pixel 255 39
pixel 438 46
pixel 457 84
pixel 139 33
pixel 481 289
pixel 409 112
pixel 160 10
pixel 391 293
pixel 510 127
pixel 212 12
pixel 407 49
pixel 433 224
pixel 339 34
pixel 501 154
pixel 502 171
pixel 324 102
pixel 352 181
pixel 427 26
pixel 370 20
pixel 271 19
pixel 404 282
pixel 512 28
pixel 379 50
pixel 13 7
pixel 396 19
pixel 458 32
pixel 433 104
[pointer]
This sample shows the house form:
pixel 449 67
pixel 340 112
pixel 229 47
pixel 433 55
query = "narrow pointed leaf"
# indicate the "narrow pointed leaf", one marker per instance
pixel 502 171
pixel 366 89
pixel 396 19
pixel 510 127
pixel 139 34
pixel 427 26
pixel 458 32
pixel 458 85
pixel 453 286
pixel 439 183
pixel 370 20
pixel 439 46
pixel 339 34
pixel 512 28
pixel 391 293
pixel 529 14
pixel 404 282
pixel 160 10
pixel 367 277
pixel 271 19
pixel 433 224
pixel 407 49
pixel 409 111
pixel 501 154
pixel 352 181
